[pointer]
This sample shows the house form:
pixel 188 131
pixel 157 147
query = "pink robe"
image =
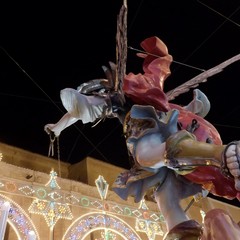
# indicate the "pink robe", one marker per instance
pixel 147 89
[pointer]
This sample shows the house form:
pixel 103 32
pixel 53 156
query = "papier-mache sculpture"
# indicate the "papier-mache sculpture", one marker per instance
pixel 174 149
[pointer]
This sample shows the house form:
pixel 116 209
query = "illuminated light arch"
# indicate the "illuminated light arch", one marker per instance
pixel 19 220
pixel 90 222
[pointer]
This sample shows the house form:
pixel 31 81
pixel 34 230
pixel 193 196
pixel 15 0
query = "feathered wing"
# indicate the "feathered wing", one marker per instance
pixel 121 50
pixel 115 73
pixel 194 82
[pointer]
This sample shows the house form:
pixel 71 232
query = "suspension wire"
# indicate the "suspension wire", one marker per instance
pixel 109 132
pixel 154 55
pixel 210 35
pixel 59 157
pixel 226 126
pixel 95 147
pixel 203 42
pixel 227 18
pixel 135 15
pixel 38 86
pixel 34 82
pixel 200 45
pixel 24 97
pixel 51 146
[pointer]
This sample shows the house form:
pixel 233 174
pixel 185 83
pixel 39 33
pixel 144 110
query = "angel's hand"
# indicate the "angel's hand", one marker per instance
pixel 48 128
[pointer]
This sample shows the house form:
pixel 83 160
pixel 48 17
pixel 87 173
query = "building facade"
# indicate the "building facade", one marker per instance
pixel 49 199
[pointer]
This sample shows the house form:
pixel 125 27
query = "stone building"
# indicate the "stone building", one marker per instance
pixel 52 200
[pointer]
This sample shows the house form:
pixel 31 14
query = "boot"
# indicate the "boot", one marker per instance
pixel 189 230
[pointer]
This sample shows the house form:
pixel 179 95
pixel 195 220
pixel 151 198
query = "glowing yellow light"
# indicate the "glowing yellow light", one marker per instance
pixel 41 205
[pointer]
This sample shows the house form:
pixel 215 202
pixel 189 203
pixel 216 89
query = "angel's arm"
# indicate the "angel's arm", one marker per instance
pixel 79 107
pixel 63 123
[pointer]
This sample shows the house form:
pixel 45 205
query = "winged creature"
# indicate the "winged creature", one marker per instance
pixel 175 150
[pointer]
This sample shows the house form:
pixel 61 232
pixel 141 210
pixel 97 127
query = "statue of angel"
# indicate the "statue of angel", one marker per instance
pixel 176 152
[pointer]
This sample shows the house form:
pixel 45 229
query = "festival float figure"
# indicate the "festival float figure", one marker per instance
pixel 175 150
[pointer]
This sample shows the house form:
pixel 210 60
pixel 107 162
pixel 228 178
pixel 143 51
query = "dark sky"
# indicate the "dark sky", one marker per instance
pixel 46 47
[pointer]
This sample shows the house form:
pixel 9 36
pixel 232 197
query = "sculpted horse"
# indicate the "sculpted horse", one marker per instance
pixel 175 150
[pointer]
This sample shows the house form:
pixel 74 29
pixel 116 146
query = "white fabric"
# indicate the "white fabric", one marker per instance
pixel 85 108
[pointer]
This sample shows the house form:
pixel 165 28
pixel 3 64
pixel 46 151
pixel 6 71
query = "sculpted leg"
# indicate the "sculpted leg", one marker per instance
pixel 186 150
pixel 168 197
pixel 183 147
